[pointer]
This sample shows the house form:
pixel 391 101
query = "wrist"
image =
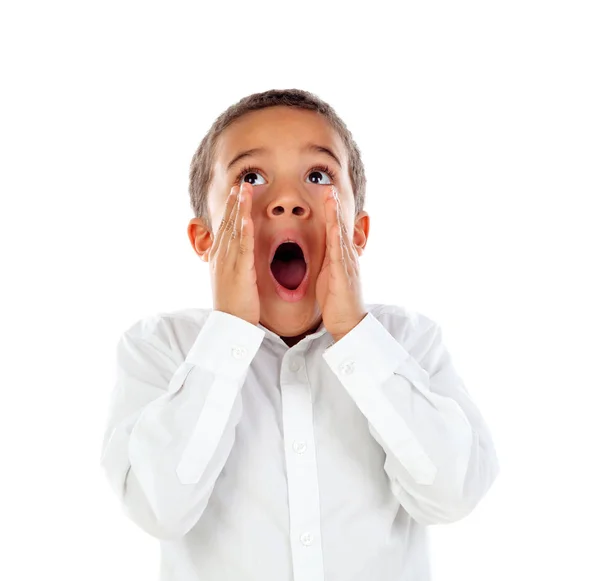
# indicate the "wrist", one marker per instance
pixel 339 335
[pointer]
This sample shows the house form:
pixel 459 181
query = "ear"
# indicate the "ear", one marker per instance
pixel 361 231
pixel 200 237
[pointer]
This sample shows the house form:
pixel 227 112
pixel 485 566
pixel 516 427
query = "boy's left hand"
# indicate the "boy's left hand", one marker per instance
pixel 338 288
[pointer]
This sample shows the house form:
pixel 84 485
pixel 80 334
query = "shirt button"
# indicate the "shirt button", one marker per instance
pixel 299 447
pixel 306 539
pixel 347 368
pixel 295 365
pixel 238 352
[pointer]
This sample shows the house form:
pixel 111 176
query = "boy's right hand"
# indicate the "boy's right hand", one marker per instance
pixel 231 259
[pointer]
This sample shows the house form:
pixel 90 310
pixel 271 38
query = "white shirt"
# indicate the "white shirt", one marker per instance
pixel 252 460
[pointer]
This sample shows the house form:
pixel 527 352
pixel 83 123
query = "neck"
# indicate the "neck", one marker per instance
pixel 291 341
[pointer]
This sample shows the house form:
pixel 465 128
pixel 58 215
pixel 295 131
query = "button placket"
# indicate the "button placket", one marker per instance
pixel 295 365
pixel 299 447
pixel 302 478
pixel 306 539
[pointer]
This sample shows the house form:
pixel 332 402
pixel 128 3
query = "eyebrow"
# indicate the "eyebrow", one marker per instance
pixel 308 147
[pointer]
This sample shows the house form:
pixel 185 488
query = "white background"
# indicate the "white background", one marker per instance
pixel 479 127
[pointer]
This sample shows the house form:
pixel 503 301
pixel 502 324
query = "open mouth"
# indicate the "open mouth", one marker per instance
pixel 289 265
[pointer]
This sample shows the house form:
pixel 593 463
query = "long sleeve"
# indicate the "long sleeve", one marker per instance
pixel 440 457
pixel 171 424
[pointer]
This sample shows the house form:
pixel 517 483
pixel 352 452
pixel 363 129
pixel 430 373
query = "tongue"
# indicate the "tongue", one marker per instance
pixel 289 273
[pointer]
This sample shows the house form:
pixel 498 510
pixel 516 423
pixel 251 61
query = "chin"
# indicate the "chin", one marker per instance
pixel 289 319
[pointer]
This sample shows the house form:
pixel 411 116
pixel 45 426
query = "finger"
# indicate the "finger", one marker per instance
pixel 233 238
pixel 334 240
pixel 229 208
pixel 350 254
pixel 245 258
pixel 349 260
pixel 344 241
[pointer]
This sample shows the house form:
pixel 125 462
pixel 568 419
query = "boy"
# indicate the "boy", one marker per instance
pixel 292 431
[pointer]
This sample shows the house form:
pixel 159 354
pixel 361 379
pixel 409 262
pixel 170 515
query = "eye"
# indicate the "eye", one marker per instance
pixel 250 172
pixel 315 174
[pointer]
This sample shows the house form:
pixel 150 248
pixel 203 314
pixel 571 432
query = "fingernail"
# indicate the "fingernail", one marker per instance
pixel 332 193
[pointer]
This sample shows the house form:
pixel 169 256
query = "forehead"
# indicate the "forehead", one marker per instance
pixel 277 129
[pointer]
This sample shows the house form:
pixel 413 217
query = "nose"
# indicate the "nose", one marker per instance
pixel 288 202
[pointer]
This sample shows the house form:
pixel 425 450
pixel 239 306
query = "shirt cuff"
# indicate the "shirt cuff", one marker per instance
pixel 369 348
pixel 226 345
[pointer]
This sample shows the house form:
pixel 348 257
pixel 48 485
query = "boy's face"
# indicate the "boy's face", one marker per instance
pixel 287 199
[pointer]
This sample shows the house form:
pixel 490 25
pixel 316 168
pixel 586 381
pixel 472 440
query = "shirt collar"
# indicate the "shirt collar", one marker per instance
pixel 321 330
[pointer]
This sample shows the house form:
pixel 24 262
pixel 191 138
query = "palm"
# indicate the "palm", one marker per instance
pixel 323 287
